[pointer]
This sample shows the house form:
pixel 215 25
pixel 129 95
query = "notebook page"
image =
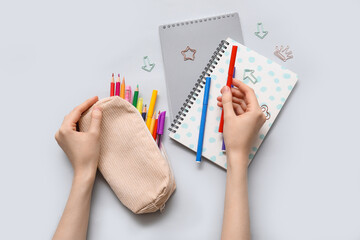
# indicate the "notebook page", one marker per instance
pixel 273 84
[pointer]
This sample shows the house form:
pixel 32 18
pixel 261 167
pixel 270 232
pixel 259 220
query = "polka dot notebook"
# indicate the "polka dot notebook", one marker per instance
pixel 271 82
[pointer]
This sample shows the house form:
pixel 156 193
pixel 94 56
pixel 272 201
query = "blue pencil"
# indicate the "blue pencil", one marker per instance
pixel 203 119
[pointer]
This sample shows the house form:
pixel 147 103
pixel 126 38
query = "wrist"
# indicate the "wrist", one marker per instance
pixel 84 176
pixel 238 160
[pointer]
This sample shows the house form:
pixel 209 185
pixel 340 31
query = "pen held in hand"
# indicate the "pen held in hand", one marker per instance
pixel 223 148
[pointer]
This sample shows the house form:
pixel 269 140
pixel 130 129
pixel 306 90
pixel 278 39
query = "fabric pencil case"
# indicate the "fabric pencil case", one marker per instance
pixel 136 169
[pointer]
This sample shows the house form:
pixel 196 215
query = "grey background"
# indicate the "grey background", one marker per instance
pixel 304 181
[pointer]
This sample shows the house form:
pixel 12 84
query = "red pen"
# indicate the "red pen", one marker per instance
pixel 229 81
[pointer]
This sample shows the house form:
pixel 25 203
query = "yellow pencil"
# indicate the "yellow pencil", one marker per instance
pixel 139 105
pixel 151 108
pixel 152 124
pixel 122 89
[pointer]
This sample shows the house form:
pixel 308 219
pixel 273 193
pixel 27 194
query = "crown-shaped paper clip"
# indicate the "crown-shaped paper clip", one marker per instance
pixel 283 53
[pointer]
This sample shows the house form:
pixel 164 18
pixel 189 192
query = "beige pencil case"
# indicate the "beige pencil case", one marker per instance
pixel 130 161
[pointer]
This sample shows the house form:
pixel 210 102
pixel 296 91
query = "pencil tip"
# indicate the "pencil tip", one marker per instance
pixel 113 75
pixel 118 74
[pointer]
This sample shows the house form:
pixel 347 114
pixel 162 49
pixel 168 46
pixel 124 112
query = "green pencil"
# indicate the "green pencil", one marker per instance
pixel 136 94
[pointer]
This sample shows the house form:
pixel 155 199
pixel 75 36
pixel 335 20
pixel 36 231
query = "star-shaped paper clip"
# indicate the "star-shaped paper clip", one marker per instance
pixel 186 50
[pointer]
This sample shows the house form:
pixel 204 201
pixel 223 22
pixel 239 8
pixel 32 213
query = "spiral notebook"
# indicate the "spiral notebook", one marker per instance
pixel 271 82
pixel 200 35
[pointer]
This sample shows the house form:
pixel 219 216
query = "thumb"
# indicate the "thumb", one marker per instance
pixel 96 117
pixel 227 102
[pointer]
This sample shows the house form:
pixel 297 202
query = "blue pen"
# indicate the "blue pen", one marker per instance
pixel 203 119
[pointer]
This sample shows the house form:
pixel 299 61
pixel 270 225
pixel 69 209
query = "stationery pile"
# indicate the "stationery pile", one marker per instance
pixel 198 121
pixel 154 122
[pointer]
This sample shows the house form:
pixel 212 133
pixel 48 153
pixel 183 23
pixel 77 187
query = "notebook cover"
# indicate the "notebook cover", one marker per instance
pixel 273 84
pixel 201 35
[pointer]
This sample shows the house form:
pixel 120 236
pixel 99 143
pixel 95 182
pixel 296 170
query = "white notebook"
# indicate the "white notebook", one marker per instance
pixel 271 82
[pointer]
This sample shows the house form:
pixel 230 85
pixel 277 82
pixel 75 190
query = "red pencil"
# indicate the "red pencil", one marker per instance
pixel 229 81
pixel 112 86
pixel 156 126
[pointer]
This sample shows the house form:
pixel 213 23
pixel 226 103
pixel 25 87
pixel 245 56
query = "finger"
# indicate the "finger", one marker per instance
pixel 250 97
pixel 243 104
pixel 238 109
pixel 237 93
pixel 96 117
pixel 227 102
pixel 239 101
pixel 75 114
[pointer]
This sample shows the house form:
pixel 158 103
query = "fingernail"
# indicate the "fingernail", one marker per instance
pixel 96 113
pixel 226 89
pixel 97 108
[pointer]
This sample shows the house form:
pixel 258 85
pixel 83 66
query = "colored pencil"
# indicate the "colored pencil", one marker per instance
pixel 151 108
pixel 161 124
pixel 112 86
pixel 136 95
pixel 122 89
pixel 128 93
pixel 140 105
pixel 144 113
pixel 203 120
pixel 152 123
pixel 118 86
pixel 229 82
pixel 156 126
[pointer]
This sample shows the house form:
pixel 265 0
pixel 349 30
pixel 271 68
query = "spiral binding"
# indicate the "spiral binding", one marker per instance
pixel 200 83
pixel 208 19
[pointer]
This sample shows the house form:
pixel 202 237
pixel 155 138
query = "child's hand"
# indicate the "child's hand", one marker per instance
pixel 82 148
pixel 243 119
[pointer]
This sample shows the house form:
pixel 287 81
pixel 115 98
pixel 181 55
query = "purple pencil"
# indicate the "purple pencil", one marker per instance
pixel 160 130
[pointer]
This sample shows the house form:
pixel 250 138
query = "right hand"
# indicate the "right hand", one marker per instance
pixel 243 119
pixel 82 148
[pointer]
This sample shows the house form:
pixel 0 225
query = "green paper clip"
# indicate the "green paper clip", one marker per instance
pixel 147 65
pixel 261 33
pixel 248 73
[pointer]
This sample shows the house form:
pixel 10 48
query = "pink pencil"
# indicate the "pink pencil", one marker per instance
pixel 128 93
pixel 117 93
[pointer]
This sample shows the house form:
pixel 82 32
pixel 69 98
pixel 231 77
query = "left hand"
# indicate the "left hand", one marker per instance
pixel 82 148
